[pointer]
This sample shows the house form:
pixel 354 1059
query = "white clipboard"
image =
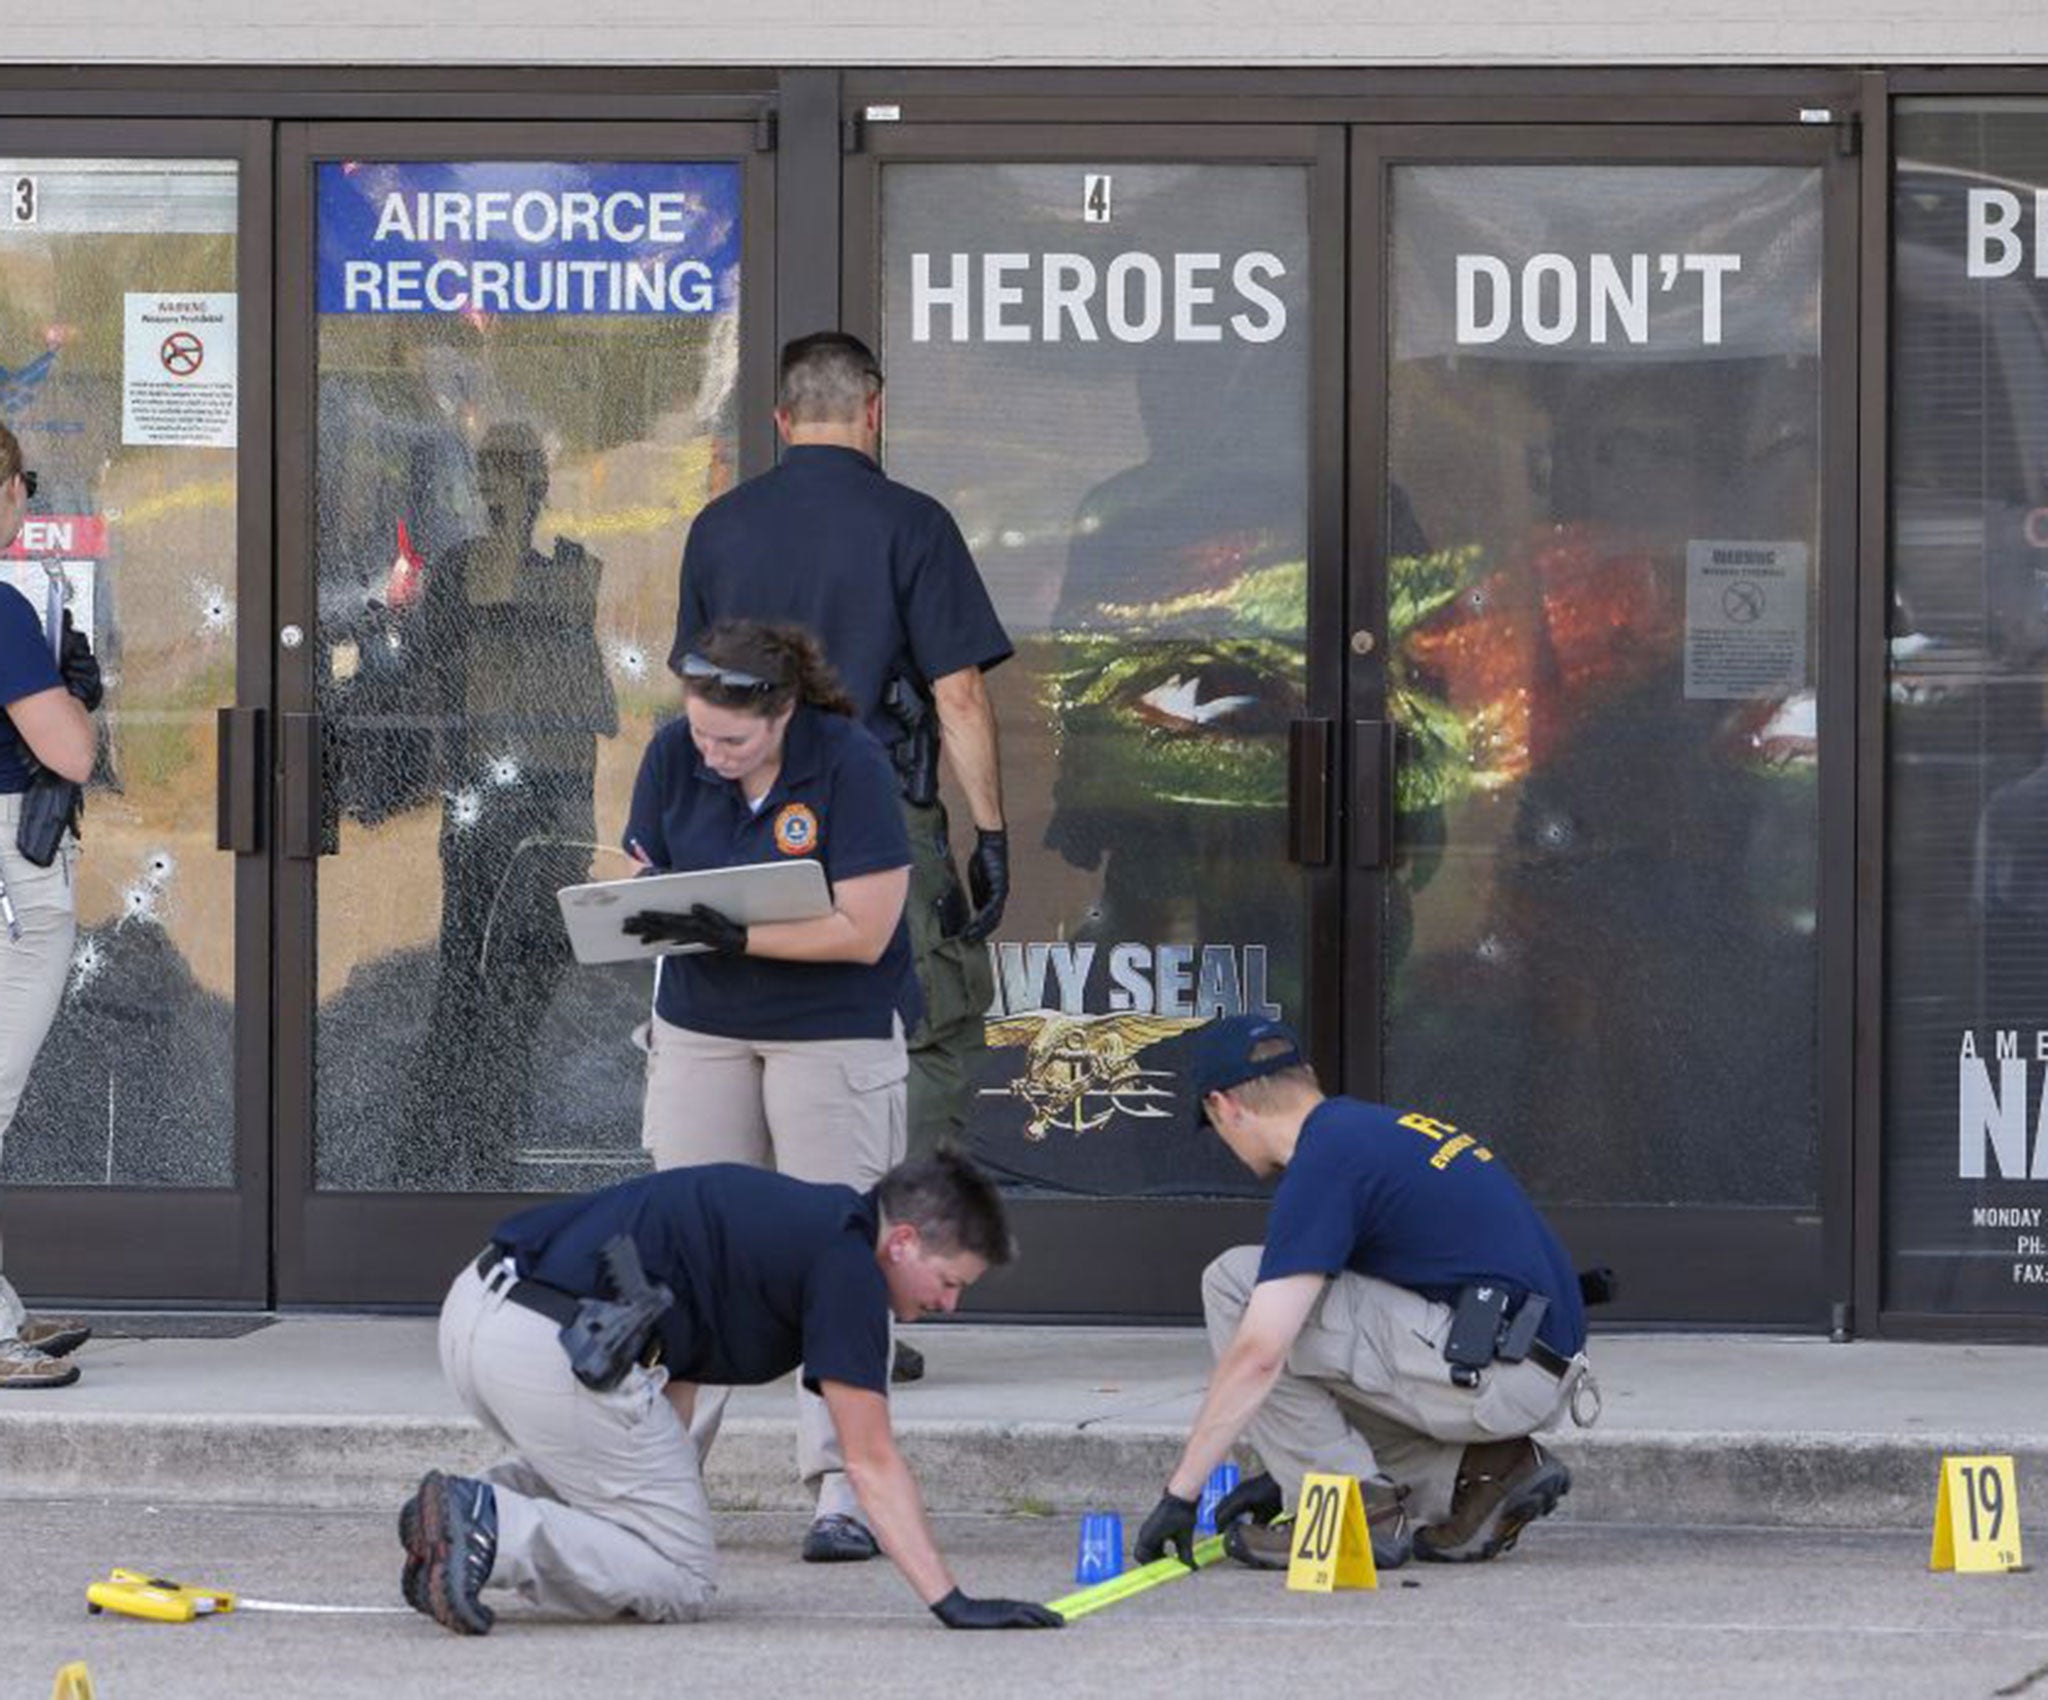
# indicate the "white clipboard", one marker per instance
pixel 794 890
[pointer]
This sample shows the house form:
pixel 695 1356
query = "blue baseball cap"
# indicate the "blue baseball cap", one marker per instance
pixel 1221 1055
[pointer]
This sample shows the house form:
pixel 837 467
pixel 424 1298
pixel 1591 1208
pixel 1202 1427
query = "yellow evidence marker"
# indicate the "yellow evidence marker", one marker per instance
pixel 1976 1516
pixel 1331 1547
pixel 74 1682
pixel 133 1593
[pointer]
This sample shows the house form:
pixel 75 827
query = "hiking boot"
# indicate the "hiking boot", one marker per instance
pixel 906 1365
pixel 454 1539
pixel 1503 1487
pixel 22 1367
pixel 56 1339
pixel 838 1539
pixel 1270 1546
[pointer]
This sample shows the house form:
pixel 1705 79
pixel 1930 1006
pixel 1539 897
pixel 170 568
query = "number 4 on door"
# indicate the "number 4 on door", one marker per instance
pixel 1976 1516
pixel 1331 1547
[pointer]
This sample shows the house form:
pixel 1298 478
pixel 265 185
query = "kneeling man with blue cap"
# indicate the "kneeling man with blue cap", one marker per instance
pixel 1410 1321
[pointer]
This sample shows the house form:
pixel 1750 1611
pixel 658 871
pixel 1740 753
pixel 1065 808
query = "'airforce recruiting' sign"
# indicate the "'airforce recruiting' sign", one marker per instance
pixel 528 236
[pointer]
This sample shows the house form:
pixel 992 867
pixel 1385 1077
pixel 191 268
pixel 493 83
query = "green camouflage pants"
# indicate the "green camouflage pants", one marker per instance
pixel 958 986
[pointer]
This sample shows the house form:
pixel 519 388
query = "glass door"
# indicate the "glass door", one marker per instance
pixel 134 338
pixel 1115 355
pixel 1603 587
pixel 523 372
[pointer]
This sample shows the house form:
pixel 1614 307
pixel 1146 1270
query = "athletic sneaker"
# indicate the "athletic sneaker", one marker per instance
pixel 23 1368
pixel 454 1538
pixel 412 1580
pixel 58 1339
pixel 1270 1546
pixel 1503 1487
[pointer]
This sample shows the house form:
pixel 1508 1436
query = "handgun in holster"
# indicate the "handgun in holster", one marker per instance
pixel 607 1337
pixel 916 751
pixel 50 807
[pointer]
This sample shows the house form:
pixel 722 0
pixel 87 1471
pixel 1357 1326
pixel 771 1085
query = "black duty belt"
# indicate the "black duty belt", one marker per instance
pixel 551 1302
pixel 1547 1358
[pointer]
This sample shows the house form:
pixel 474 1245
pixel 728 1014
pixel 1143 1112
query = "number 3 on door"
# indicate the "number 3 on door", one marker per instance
pixel 1976 1516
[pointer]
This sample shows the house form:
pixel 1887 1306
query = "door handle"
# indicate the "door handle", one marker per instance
pixel 238 780
pixel 301 830
pixel 1309 744
pixel 1372 799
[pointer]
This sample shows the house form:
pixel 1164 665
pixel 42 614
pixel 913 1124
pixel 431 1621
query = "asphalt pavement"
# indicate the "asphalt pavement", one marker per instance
pixel 1579 1609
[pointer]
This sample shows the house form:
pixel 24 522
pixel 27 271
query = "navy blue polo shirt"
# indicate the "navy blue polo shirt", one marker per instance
pixel 768 1272
pixel 877 570
pixel 1408 1199
pixel 834 802
pixel 26 668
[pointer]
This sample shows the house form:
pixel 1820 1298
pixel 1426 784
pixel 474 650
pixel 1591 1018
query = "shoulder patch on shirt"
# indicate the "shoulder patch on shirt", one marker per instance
pixel 796 829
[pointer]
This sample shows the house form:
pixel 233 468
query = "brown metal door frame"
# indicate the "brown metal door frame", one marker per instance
pixel 206 1246
pixel 1110 1259
pixel 1703 1266
pixel 388 1248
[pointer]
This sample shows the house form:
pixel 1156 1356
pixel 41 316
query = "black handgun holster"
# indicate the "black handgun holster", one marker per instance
pixel 49 808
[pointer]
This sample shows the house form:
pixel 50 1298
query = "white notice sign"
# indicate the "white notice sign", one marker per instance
pixel 179 371
pixel 1745 619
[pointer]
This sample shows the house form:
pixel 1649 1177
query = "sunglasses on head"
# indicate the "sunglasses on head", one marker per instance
pixel 732 678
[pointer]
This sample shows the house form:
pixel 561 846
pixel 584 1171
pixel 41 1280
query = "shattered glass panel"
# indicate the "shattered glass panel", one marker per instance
pixel 527 387
pixel 1103 371
pixel 1603 524
pixel 117 372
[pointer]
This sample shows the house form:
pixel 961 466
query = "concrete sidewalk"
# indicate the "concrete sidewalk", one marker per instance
pixel 346 1412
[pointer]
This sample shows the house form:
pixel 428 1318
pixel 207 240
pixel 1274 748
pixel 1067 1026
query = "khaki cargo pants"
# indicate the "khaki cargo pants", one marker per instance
pixel 601 1508
pixel 33 970
pixel 957 983
pixel 1366 1390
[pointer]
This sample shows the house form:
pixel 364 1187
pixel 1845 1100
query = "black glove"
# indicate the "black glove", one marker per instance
pixel 80 667
pixel 988 882
pixel 1172 1524
pixel 1257 1498
pixel 702 925
pixel 957 1611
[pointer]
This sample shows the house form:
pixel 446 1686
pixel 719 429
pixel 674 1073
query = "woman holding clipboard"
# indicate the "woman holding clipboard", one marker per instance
pixel 778 1045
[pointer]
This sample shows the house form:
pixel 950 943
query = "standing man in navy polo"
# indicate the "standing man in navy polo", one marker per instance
pixel 1410 1321
pixel 882 575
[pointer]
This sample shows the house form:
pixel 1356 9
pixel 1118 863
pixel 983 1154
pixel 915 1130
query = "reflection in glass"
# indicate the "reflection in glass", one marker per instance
pixel 1966 886
pixel 1117 412
pixel 502 500
pixel 1603 508
pixel 135 1084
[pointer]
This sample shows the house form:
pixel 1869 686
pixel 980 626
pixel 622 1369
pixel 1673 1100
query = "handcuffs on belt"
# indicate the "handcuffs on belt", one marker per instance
pixel 1484 1332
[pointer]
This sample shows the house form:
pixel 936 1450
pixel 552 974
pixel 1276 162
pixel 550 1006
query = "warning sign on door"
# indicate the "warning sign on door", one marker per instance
pixel 1745 619
pixel 179 371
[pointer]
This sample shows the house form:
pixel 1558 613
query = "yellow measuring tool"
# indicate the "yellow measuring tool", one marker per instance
pixel 136 1593
pixel 132 1593
pixel 1136 1581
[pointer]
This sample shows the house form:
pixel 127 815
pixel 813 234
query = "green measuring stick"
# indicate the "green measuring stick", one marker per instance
pixel 1135 1581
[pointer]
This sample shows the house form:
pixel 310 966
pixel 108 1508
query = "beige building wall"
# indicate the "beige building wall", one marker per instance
pixel 1077 32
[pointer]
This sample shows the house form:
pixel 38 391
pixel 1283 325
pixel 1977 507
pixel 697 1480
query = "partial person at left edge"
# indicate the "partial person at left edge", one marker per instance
pixel 46 735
